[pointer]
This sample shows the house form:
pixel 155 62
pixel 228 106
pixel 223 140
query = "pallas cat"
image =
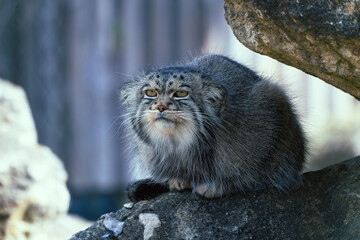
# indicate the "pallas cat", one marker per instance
pixel 213 126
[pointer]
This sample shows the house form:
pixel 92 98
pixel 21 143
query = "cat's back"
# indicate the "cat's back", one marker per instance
pixel 230 74
pixel 247 91
pixel 253 102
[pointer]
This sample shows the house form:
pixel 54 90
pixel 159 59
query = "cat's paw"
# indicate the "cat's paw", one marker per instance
pixel 178 185
pixel 208 191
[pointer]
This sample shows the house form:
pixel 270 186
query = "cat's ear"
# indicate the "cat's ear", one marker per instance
pixel 126 91
pixel 216 95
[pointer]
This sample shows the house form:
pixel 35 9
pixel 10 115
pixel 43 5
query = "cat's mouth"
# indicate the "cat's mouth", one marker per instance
pixel 163 119
pixel 163 126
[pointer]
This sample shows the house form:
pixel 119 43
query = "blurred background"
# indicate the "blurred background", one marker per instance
pixel 71 56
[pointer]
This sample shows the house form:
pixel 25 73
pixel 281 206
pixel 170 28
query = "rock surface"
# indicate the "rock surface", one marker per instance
pixel 33 196
pixel 321 37
pixel 325 206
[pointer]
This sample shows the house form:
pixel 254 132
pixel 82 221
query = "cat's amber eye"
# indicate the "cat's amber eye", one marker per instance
pixel 151 93
pixel 181 94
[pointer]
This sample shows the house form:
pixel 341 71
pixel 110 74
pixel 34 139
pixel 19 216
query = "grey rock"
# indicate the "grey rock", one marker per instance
pixel 34 199
pixel 321 37
pixel 325 206
pixel 113 225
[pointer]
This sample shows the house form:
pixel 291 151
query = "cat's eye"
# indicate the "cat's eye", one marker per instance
pixel 181 94
pixel 151 93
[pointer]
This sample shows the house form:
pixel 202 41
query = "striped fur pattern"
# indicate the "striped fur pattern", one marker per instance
pixel 232 131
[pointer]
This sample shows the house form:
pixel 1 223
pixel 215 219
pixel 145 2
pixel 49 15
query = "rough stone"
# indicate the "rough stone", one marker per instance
pixel 33 196
pixel 325 206
pixel 321 37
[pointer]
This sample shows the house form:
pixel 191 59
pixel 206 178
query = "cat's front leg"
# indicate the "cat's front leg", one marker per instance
pixel 175 184
pixel 209 190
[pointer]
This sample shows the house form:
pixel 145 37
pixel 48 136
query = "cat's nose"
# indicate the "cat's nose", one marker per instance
pixel 161 108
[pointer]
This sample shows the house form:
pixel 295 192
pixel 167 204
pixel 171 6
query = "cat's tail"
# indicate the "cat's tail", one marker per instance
pixel 145 189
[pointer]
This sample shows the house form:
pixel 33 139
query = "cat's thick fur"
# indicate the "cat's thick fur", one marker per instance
pixel 233 131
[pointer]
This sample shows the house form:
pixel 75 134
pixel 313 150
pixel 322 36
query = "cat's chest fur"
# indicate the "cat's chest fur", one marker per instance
pixel 168 138
pixel 168 159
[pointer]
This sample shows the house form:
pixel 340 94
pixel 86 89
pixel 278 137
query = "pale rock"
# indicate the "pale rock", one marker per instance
pixel 34 199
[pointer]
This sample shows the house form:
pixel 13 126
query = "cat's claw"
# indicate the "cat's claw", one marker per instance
pixel 208 191
pixel 178 185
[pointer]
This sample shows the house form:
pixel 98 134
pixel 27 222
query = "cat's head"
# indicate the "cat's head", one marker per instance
pixel 173 103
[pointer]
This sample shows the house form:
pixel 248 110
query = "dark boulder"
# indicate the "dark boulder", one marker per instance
pixel 325 206
pixel 320 37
